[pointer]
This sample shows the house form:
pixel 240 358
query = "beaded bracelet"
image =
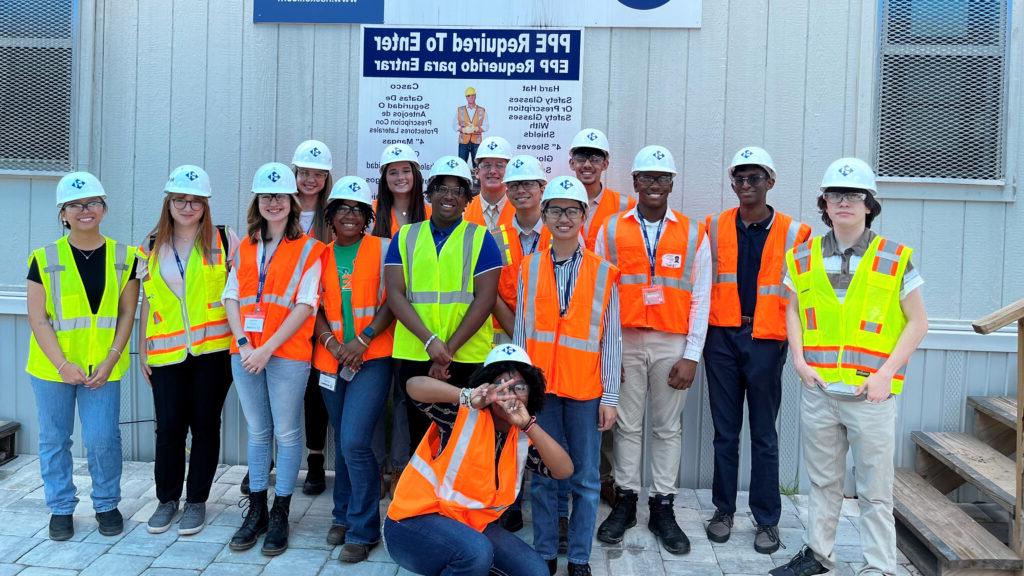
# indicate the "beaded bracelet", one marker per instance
pixel 533 420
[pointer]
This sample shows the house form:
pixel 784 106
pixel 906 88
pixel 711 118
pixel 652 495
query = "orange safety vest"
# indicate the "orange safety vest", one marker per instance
pixel 611 203
pixel 511 250
pixel 567 348
pixel 367 296
pixel 674 258
pixel 477 120
pixel 772 297
pixel 286 265
pixel 436 481
pixel 475 213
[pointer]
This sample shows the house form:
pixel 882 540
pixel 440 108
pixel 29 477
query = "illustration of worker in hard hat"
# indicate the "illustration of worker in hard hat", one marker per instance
pixel 471 123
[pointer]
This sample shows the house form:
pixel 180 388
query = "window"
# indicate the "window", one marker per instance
pixel 35 84
pixel 942 89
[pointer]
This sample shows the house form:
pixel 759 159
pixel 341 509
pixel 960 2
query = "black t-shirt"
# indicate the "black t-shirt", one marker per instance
pixel 92 270
pixel 748 266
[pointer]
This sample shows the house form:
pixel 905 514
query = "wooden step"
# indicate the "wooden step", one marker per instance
pixel 1002 409
pixel 971 460
pixel 939 538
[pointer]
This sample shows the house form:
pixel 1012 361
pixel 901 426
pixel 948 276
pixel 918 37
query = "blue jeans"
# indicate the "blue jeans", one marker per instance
pixel 98 409
pixel 354 409
pixel 573 423
pixel 272 404
pixel 467 149
pixel 435 544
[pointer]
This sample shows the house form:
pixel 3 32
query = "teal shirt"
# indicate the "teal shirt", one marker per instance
pixel 344 258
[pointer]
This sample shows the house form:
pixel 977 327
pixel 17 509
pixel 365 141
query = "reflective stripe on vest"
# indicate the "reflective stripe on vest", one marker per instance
pixel 682 283
pixel 461 296
pixel 287 299
pixel 593 342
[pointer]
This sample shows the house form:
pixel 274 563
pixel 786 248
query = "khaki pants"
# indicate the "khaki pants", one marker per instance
pixel 830 427
pixel 647 359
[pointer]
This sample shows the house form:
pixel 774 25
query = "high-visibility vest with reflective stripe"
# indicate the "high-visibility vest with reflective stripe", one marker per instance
pixel 846 342
pixel 440 288
pixel 770 310
pixel 286 265
pixel 611 203
pixel 567 348
pixel 458 482
pixel 511 248
pixel 475 213
pixel 84 337
pixel 197 325
pixel 674 258
pixel 367 296
pixel 477 120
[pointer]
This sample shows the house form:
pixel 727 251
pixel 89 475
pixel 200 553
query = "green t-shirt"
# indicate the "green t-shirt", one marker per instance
pixel 344 258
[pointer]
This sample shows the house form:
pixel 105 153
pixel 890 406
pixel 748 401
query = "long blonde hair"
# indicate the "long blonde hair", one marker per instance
pixel 164 231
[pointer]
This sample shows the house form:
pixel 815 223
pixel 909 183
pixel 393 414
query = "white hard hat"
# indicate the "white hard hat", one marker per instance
pixel 273 178
pixel 398 153
pixel 451 166
pixel 590 138
pixel 654 159
pixel 565 187
pixel 752 155
pixel 849 173
pixel 189 179
pixel 507 353
pixel 312 154
pixel 78 185
pixel 494 147
pixel 524 167
pixel 352 188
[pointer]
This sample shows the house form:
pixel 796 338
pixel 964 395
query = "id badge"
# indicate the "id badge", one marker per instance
pixel 253 322
pixel 654 295
pixel 327 382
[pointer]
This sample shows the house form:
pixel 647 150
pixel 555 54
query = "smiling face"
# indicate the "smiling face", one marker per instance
pixel 349 220
pixel 448 199
pixel 525 195
pixel 275 208
pixel 84 215
pixel 310 181
pixel 186 209
pixel 652 192
pixel 588 164
pixel 564 218
pixel 491 172
pixel 517 390
pixel 399 177
pixel 751 185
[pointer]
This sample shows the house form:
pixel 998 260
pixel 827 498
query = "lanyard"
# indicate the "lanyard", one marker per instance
pixel 264 267
pixel 177 260
pixel 533 247
pixel 652 251
pixel 567 291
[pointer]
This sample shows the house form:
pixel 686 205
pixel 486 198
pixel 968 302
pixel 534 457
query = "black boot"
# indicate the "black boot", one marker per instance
pixel 276 541
pixel 244 488
pixel 254 523
pixel 316 479
pixel 663 524
pixel 622 517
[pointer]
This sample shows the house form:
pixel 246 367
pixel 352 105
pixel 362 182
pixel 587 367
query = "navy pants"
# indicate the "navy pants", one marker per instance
pixel 740 368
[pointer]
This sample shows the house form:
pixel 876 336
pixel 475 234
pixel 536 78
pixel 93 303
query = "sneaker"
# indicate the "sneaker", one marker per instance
pixel 512 520
pixel 803 564
pixel 193 518
pixel 111 522
pixel 720 527
pixel 579 569
pixel 353 553
pixel 62 527
pixel 336 535
pixel 766 539
pixel 621 518
pixel 316 478
pixel 563 535
pixel 162 517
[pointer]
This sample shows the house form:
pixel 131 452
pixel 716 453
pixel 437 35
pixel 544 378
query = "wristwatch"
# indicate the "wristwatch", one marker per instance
pixel 243 341
pixel 368 332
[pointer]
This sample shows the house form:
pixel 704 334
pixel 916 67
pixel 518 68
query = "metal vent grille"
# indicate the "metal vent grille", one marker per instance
pixel 942 89
pixel 35 84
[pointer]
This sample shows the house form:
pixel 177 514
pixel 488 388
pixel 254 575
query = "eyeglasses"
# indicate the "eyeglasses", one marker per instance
pixel 180 204
pixel 345 210
pixel 556 212
pixel 76 207
pixel 647 180
pixel 848 197
pixel 594 159
pixel 488 166
pixel 754 180
pixel 312 174
pixel 443 190
pixel 529 186
pixel 519 387
pixel 274 198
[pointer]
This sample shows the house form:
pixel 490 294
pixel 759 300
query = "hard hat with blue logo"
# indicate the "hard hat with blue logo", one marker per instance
pixel 752 155
pixel 352 188
pixel 590 138
pixel 849 173
pixel 398 153
pixel 188 179
pixel 273 178
pixel 494 147
pixel 507 353
pixel 312 154
pixel 78 185
pixel 451 166
pixel 654 159
pixel 524 168
pixel 565 188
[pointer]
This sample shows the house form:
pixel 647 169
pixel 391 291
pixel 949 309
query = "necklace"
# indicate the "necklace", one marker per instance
pixel 82 252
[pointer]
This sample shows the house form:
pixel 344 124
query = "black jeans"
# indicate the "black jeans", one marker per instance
pixel 189 396
pixel 740 366
pixel 315 413
pixel 418 421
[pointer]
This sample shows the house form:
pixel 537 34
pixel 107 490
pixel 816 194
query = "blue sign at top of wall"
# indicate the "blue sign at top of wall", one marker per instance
pixel 644 4
pixel 338 11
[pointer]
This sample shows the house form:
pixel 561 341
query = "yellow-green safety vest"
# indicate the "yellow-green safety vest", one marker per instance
pixel 440 288
pixel 846 342
pixel 197 325
pixel 84 337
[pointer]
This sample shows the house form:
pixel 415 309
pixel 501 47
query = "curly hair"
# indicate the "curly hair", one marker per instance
pixel 532 375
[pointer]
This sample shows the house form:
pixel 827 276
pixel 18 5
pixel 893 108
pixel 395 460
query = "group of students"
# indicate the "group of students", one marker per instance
pixel 510 329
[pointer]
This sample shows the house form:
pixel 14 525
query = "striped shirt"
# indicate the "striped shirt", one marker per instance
pixel 566 273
